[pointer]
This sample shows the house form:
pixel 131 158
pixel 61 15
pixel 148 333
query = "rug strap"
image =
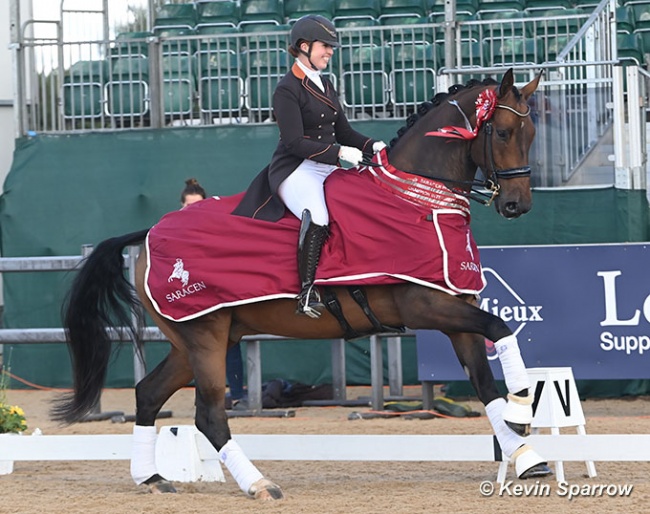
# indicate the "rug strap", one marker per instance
pixel 333 305
pixel 359 296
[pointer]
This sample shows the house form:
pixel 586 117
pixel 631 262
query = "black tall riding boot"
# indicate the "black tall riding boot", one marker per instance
pixel 310 244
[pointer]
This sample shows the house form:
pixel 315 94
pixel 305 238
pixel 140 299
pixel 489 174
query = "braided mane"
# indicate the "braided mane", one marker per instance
pixel 424 108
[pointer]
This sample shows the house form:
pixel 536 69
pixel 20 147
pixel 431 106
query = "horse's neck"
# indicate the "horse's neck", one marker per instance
pixel 433 156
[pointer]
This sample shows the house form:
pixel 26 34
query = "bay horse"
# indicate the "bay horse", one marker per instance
pixel 482 124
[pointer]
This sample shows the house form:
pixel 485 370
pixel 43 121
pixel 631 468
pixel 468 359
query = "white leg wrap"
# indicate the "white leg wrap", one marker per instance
pixel 519 409
pixel 512 364
pixel 525 458
pixel 143 454
pixel 508 440
pixel 241 469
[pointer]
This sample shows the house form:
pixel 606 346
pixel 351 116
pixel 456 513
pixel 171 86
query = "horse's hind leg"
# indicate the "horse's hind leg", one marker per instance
pixel 208 359
pixel 151 394
pixel 471 352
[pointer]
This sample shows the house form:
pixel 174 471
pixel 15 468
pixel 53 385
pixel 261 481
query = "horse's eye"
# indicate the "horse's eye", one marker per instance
pixel 502 133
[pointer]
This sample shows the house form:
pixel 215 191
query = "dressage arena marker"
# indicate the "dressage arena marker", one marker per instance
pixel 391 448
pixel 557 404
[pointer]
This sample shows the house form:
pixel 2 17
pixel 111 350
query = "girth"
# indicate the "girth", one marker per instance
pixel 333 305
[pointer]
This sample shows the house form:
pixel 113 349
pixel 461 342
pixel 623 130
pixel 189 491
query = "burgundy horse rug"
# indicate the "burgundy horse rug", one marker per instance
pixel 386 227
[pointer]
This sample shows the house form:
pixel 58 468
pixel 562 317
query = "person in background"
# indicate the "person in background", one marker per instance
pixel 192 193
pixel 314 135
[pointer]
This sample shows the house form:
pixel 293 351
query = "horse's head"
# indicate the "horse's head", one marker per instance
pixel 484 125
pixel 502 145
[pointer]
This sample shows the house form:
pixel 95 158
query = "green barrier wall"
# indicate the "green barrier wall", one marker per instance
pixel 68 190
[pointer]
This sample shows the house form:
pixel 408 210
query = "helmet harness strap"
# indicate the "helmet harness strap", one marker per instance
pixel 308 54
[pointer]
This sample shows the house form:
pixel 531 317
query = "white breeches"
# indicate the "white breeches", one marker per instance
pixel 303 189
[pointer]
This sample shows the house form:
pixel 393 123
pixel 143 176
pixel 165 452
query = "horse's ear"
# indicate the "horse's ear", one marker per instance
pixel 506 83
pixel 531 87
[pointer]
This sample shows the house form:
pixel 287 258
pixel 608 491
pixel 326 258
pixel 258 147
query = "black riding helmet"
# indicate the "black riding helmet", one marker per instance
pixel 310 28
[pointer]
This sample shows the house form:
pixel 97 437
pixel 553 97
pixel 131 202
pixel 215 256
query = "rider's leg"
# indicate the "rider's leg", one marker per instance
pixel 303 194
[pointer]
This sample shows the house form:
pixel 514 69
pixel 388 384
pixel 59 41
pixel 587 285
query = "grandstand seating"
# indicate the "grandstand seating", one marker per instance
pixel 401 10
pixel 219 38
pixel 396 66
pixel 222 12
pixel 83 90
pixel 127 91
pixel 546 5
pixel 178 86
pixel 175 41
pixel 129 44
pixel 356 9
pixel 176 16
pixel 413 77
pixel 264 35
pixel 263 68
pixel 220 88
pixel 631 48
pixel 365 77
pixel 255 11
pixel 464 7
pixel 358 37
pixel 294 9
pixel 641 13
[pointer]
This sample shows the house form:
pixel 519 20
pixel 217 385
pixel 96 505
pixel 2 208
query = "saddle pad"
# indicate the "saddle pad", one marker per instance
pixel 202 258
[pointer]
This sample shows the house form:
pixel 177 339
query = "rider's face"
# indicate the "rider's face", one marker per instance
pixel 321 54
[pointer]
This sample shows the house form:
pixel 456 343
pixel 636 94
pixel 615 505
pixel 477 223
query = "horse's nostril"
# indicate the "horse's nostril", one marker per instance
pixel 512 208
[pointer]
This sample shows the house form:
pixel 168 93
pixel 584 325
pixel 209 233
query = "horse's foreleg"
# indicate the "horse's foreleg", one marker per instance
pixel 461 314
pixel 151 394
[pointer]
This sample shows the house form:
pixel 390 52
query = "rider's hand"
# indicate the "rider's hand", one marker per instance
pixel 378 146
pixel 350 154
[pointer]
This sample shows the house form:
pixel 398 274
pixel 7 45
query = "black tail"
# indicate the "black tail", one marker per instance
pixel 100 297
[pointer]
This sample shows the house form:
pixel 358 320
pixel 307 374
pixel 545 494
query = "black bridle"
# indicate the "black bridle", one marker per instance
pixel 481 191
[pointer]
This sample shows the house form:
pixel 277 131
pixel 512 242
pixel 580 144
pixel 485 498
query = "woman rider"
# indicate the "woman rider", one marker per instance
pixel 314 134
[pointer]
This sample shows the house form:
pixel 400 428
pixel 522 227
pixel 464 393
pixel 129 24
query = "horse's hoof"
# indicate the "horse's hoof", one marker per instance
pixel 519 428
pixel 158 485
pixel 264 489
pixel 529 464
pixel 537 471
pixel 518 414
